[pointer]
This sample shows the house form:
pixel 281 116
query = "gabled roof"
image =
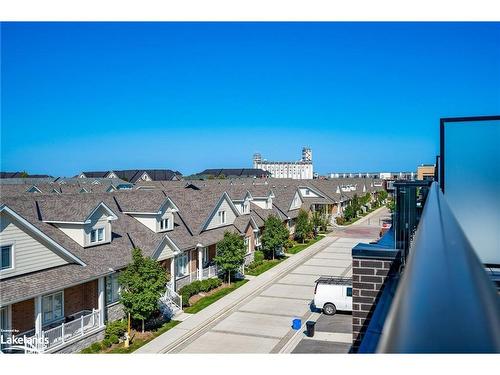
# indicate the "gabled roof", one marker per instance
pixel 70 208
pixel 38 233
pixel 224 197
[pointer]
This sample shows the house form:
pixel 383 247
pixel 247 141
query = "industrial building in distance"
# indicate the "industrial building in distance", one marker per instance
pixel 297 170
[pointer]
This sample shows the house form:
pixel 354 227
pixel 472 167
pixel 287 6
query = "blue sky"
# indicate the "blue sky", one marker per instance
pixel 187 96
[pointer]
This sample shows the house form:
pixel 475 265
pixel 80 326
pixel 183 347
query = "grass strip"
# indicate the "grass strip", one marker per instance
pixel 208 300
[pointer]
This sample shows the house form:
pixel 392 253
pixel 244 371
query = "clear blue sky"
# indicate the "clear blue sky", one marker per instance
pixel 186 96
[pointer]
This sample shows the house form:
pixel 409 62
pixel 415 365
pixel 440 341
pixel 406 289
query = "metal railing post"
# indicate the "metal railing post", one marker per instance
pixel 62 332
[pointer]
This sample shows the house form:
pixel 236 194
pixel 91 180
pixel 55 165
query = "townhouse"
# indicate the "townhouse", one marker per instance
pixel 62 251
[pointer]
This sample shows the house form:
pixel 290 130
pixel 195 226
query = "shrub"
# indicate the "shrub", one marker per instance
pixel 116 328
pixel 289 243
pixel 196 287
pixel 106 343
pixel 114 339
pixel 340 220
pixel 95 347
pixel 259 256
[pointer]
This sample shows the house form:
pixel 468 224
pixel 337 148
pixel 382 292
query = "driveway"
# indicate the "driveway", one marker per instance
pixel 257 317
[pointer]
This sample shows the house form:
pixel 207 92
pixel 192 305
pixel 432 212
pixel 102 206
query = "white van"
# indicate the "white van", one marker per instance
pixel 332 294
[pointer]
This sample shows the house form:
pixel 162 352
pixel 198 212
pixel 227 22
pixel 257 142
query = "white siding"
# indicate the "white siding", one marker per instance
pixel 30 254
pixel 311 194
pixel 166 252
pixel 265 204
pixel 214 220
pixel 73 231
pixel 149 221
pixel 296 201
pixel 98 220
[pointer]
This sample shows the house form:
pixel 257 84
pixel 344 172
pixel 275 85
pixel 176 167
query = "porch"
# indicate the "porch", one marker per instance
pixel 50 322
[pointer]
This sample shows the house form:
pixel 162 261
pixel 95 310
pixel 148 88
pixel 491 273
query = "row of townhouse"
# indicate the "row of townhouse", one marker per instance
pixel 61 253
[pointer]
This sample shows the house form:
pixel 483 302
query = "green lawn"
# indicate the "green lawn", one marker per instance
pixel 266 265
pixel 299 247
pixel 208 300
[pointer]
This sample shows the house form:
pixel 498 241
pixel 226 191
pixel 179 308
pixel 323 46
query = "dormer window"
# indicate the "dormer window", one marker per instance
pixel 164 224
pixel 97 235
pixel 222 217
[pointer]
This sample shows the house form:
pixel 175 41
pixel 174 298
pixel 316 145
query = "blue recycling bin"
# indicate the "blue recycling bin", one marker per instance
pixel 296 324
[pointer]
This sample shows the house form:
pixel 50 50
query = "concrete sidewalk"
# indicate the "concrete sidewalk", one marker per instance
pixel 196 322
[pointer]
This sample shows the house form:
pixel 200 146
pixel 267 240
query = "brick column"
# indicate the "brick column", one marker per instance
pixel 370 270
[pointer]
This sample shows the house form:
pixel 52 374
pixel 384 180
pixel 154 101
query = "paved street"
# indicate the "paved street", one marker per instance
pixel 262 322
pixel 257 317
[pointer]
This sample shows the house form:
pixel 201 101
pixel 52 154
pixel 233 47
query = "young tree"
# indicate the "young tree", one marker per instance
pixel 230 253
pixel 320 220
pixel 303 228
pixel 142 284
pixel 381 196
pixel 349 212
pixel 274 236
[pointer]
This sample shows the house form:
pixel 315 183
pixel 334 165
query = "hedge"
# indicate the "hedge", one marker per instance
pixel 196 287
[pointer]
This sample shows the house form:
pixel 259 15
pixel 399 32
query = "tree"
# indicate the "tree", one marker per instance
pixel 23 174
pixel 274 236
pixel 320 220
pixel 349 212
pixel 142 284
pixel 303 227
pixel 230 254
pixel 365 199
pixel 355 204
pixel 382 196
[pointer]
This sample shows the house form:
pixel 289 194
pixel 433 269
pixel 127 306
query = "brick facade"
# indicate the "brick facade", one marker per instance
pixel 212 251
pixel 23 315
pixel 368 279
pixel 80 297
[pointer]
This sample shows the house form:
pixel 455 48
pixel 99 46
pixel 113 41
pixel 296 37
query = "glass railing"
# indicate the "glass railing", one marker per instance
pixel 444 302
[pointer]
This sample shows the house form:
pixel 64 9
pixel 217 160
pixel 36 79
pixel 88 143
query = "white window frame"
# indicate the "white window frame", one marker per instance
pixel 164 224
pixel 52 297
pixel 11 245
pixel 115 291
pixel 96 231
pixel 182 268
pixel 222 217
pixel 205 255
pixel 246 241
pixel 5 312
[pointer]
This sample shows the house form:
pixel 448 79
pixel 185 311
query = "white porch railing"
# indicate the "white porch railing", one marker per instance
pixel 51 338
pixel 210 271
pixel 207 273
pixel 172 299
pixel 68 331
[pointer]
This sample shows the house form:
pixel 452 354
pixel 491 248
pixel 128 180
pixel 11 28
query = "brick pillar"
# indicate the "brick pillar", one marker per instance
pixel 369 274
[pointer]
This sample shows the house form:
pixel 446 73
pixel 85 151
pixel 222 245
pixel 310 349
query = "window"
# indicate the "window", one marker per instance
pixel 247 244
pixel 308 191
pixel 181 264
pixel 164 224
pixel 349 292
pixel 6 257
pixel 112 288
pixel 97 235
pixel 4 326
pixel 205 256
pixel 222 217
pixel 52 307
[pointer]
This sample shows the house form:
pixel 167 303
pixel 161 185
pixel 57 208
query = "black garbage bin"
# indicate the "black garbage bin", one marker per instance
pixel 310 328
